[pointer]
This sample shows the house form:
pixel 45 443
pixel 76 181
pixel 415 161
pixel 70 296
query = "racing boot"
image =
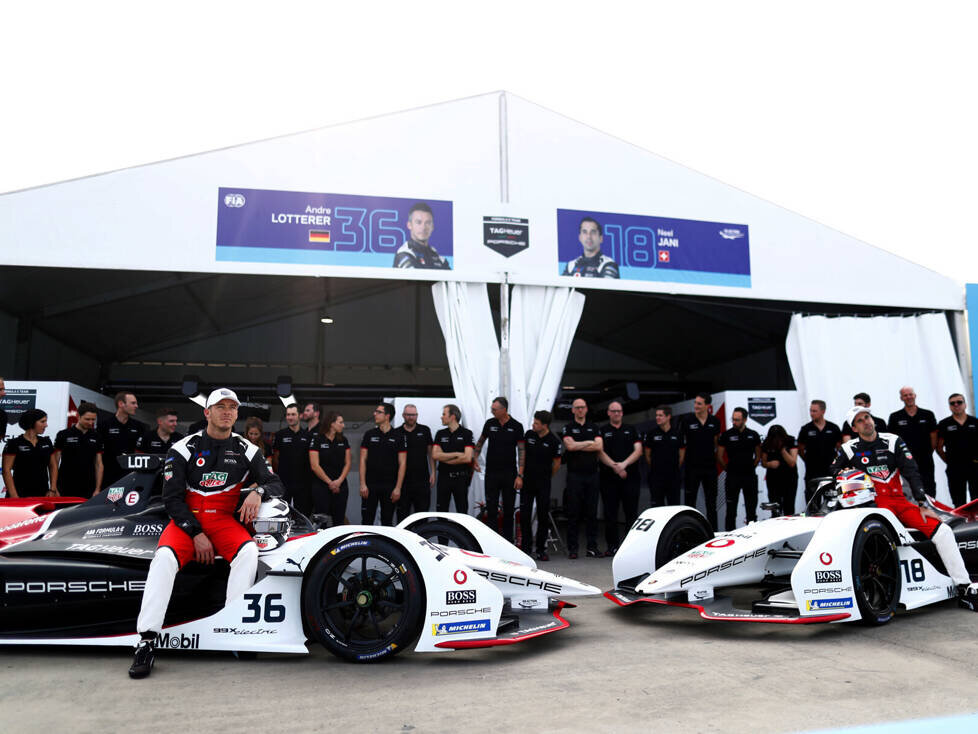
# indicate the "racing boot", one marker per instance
pixel 968 597
pixel 145 656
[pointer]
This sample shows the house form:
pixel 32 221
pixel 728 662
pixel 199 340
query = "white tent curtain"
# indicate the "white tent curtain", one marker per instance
pixel 832 358
pixel 542 325
pixel 473 355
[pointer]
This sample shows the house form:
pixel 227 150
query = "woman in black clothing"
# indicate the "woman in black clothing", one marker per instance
pixel 330 461
pixel 29 466
pixel 780 458
pixel 255 433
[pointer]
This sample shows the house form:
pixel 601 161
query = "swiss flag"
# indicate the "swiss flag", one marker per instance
pixel 663 256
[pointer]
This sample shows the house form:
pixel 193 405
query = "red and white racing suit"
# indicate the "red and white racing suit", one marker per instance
pixel 883 460
pixel 204 481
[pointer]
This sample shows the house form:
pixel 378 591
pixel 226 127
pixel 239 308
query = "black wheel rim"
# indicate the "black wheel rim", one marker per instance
pixel 684 540
pixel 447 539
pixel 363 601
pixel 878 574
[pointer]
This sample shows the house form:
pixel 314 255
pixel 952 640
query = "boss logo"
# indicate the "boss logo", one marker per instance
pixel 460 596
pixel 828 577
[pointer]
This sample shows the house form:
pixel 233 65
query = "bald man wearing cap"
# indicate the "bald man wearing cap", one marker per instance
pixel 209 494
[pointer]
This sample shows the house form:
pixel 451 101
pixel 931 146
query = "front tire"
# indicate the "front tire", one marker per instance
pixel 682 534
pixel 448 533
pixel 875 572
pixel 364 600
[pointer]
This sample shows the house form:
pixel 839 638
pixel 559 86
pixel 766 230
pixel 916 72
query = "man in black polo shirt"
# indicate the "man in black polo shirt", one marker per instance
pixel 419 474
pixel 310 414
pixel 290 460
pixel 582 444
pixel 119 433
pixel 700 431
pixel 818 442
pixel 541 461
pixel 454 449
pixel 619 473
pixel 3 413
pixel 918 428
pixel 662 444
pixel 957 445
pixel 505 436
pixel 739 453
pixel 79 449
pixel 160 440
pixel 383 460
pixel 861 399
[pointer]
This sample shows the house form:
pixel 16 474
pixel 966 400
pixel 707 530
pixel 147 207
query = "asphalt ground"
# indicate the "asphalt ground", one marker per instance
pixel 640 668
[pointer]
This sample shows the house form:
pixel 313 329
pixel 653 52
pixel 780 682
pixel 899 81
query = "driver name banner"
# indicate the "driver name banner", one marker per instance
pixel 258 225
pixel 633 247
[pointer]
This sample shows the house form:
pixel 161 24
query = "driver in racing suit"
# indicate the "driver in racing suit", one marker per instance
pixel 205 477
pixel 883 456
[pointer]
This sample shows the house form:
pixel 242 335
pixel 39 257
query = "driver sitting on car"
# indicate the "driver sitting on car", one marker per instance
pixel 883 456
pixel 204 478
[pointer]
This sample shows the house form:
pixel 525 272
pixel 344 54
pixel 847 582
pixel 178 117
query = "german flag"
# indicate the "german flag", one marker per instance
pixel 319 235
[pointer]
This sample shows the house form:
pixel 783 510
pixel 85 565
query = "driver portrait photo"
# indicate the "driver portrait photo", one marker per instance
pixel 416 252
pixel 592 263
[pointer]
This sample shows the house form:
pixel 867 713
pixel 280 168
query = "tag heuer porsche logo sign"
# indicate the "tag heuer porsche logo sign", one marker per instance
pixel 214 479
pixel 762 410
pixel 506 235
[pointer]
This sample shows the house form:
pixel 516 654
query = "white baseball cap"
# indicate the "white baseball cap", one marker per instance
pixel 222 393
pixel 854 411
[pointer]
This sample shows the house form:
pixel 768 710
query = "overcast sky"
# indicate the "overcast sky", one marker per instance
pixel 860 115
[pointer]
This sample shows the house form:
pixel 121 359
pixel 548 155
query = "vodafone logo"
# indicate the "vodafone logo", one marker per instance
pixel 460 577
pixel 722 543
pixel 200 461
pixel 825 558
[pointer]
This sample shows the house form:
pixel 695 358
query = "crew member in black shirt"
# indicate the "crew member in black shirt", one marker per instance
pixel 383 460
pixel 160 440
pixel 861 399
pixel 290 460
pixel 29 459
pixel 662 444
pixel 918 429
pixel 739 453
pixel 119 434
pixel 505 436
pixel 330 461
pixel 419 475
pixel 619 473
pixel 79 450
pixel 700 432
pixel 541 461
pixel 3 413
pixel 454 450
pixel 582 444
pixel 957 445
pixel 818 442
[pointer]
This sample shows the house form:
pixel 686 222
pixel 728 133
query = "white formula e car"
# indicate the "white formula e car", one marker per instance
pixel 842 563
pixel 73 574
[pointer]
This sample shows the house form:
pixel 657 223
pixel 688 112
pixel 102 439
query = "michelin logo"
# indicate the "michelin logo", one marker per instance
pixel 460 628
pixel 818 604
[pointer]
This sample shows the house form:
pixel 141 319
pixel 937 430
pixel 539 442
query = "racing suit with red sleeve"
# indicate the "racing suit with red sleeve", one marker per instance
pixel 883 459
pixel 204 482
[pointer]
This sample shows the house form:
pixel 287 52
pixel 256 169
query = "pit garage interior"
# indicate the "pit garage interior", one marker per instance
pixel 144 331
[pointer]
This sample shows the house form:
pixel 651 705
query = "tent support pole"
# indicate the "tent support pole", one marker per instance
pixel 504 376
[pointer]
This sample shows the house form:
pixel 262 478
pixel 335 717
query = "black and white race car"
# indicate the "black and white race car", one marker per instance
pixel 72 573
pixel 841 563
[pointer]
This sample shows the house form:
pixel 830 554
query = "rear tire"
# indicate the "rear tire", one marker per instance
pixel 875 572
pixel 364 600
pixel 446 532
pixel 682 534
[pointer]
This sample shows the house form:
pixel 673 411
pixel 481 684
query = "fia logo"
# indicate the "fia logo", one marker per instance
pixel 235 201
